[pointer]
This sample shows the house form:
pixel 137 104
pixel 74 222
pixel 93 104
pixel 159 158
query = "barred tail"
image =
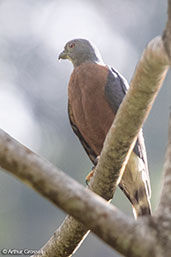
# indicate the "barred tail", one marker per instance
pixel 142 207
pixel 140 202
pixel 136 186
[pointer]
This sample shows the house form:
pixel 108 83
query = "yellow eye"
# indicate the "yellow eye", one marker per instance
pixel 71 45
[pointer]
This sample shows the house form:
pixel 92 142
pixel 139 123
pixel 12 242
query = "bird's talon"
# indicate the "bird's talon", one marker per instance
pixel 89 176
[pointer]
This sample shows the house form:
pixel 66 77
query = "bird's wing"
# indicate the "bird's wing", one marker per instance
pixel 87 148
pixel 115 90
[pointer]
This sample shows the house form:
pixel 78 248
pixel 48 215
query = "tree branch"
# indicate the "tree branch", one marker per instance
pixel 103 219
pixel 65 240
pixel 164 208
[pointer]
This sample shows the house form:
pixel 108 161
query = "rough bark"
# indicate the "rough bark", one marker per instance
pixel 65 240
pixel 107 222
pixel 91 210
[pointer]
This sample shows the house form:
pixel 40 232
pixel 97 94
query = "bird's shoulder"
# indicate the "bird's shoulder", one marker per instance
pixel 115 89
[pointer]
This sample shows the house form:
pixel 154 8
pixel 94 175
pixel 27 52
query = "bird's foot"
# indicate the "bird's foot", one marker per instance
pixel 90 175
pixel 92 171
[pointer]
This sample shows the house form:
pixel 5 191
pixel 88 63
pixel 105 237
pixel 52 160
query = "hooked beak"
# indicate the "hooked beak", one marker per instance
pixel 63 55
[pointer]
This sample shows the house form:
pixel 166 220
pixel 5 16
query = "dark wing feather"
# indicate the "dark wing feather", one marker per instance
pixel 115 90
pixel 87 148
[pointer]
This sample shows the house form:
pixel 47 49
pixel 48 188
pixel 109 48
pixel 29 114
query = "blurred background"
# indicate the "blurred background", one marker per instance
pixel 33 100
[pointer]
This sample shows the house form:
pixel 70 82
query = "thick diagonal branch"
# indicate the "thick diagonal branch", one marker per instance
pixel 87 207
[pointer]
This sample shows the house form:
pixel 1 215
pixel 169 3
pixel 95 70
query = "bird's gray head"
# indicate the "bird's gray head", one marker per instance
pixel 79 51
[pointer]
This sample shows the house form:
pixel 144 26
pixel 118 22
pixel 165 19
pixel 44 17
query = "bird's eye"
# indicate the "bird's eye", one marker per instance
pixel 71 45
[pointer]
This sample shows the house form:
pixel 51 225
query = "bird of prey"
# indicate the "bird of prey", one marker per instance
pixel 95 93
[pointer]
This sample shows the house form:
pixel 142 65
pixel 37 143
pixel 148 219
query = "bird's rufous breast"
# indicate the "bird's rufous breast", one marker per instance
pixel 91 112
